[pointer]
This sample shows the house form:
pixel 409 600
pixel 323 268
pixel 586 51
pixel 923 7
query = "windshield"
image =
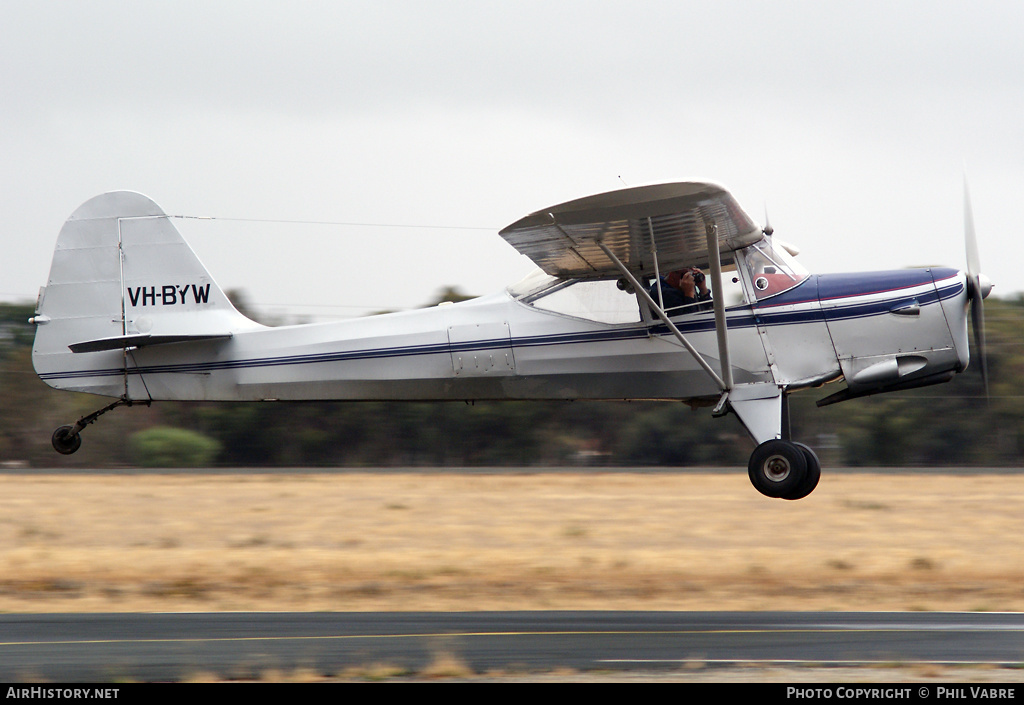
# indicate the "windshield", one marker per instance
pixel 772 269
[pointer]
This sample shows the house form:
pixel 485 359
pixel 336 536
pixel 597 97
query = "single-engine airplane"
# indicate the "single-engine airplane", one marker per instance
pixel 129 312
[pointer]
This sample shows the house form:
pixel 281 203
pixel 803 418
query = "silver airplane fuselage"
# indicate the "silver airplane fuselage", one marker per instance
pixel 876 330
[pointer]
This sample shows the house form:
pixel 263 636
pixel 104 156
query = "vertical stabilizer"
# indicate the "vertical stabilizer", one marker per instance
pixel 122 277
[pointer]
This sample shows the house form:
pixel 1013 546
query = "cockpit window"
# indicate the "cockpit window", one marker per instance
pixel 595 300
pixel 772 270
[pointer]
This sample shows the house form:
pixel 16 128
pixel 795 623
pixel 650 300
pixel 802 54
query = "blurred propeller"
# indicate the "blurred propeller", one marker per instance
pixel 978 285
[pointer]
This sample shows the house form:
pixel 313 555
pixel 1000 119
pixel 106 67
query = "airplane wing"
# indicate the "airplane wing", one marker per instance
pixel 633 223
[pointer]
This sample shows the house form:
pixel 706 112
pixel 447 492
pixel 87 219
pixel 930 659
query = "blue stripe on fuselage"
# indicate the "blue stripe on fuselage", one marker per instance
pixel 847 296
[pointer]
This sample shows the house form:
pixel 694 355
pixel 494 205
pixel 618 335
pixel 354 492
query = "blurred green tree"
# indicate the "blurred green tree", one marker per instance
pixel 168 447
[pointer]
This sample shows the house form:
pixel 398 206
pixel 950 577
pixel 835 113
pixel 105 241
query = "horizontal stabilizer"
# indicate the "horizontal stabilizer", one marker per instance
pixel 138 341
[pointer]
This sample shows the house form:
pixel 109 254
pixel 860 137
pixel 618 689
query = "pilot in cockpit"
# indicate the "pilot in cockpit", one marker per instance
pixel 683 288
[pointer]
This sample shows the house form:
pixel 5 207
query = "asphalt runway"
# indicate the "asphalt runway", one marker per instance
pixel 182 646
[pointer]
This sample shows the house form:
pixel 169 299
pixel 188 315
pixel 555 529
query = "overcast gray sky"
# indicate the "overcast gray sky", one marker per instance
pixel 853 123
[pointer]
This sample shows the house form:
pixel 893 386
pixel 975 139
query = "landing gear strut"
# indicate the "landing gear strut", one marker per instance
pixel 784 469
pixel 67 439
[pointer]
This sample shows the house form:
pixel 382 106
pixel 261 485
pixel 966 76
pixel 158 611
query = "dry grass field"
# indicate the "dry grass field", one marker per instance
pixel 519 540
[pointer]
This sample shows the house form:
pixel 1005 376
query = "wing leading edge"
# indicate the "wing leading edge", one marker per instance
pixel 634 223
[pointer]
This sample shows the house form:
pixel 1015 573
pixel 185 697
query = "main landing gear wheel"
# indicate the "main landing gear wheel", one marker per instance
pixel 812 476
pixel 778 469
pixel 65 441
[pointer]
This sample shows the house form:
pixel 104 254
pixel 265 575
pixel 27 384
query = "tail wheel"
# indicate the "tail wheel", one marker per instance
pixel 65 442
pixel 777 468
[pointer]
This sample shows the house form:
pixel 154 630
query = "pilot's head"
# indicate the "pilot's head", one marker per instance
pixel 675 278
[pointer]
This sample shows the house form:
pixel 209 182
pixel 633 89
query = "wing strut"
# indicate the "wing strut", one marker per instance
pixel 660 313
pixel 654 257
pixel 718 300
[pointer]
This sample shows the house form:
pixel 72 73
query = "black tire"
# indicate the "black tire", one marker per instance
pixel 65 442
pixel 812 476
pixel 777 468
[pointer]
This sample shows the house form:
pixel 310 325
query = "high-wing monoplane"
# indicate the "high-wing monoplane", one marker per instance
pixel 129 312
